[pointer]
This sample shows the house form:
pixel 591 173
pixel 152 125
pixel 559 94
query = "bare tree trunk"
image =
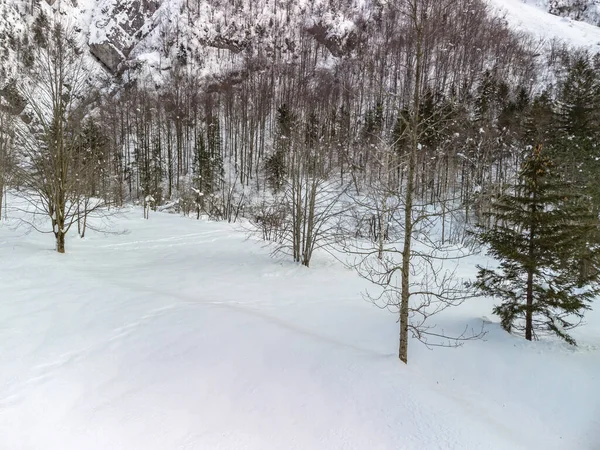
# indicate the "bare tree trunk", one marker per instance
pixel 529 312
pixel 529 307
pixel 60 241
pixel 406 253
pixel 418 16
pixel 85 214
pixel 78 219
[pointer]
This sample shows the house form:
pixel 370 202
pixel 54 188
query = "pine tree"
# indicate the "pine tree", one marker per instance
pixel 40 28
pixel 208 162
pixel 543 230
pixel 577 122
pixel 579 98
pixel 540 121
pixel 275 164
pixel 486 96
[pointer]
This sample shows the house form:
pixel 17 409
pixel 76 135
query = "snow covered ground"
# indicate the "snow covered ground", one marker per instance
pixel 183 334
pixel 529 16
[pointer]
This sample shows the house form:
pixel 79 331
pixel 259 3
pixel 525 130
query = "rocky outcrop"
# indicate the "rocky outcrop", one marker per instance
pixel 585 10
pixel 122 23
pixel 10 100
pixel 224 43
pixel 52 2
pixel 338 44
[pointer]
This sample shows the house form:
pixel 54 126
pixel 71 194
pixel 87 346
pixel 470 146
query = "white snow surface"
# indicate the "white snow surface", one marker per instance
pixel 184 334
pixel 530 16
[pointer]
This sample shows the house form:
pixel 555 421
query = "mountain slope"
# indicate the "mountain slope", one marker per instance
pixel 220 37
pixel 534 19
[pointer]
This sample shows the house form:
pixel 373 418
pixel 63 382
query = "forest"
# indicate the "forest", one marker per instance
pixel 427 131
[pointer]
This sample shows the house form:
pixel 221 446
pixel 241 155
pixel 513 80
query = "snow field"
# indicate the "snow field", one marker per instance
pixel 183 334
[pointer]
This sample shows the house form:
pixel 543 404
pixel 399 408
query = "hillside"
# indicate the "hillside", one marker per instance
pixel 219 35
pixel 182 334
pixel 253 224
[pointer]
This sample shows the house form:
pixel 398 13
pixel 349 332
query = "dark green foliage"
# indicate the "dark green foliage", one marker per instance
pixel 576 127
pixel 275 164
pixel 436 116
pixel 155 172
pixel 182 55
pixel 579 98
pixel 540 121
pixel 208 161
pixel 373 122
pixel 275 170
pixel 487 93
pixel 312 133
pixel 512 113
pixel 400 139
pixel 285 124
pixel 27 56
pixel 92 154
pixel 543 232
pixel 40 29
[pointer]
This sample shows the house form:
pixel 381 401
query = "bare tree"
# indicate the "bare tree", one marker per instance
pixel 303 215
pixel 58 98
pixel 7 161
pixel 414 271
pixel 416 281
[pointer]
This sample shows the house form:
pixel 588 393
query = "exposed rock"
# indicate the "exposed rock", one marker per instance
pixel 113 50
pixel 224 84
pixel 10 99
pixel 113 38
pixel 338 46
pixel 225 43
pixel 52 2
pixel 585 10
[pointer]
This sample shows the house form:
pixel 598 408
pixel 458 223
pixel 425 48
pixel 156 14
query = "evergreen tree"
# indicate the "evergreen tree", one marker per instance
pixel 208 161
pixel 40 28
pixel 199 177
pixel 543 230
pixel 579 99
pixel 578 123
pixel 275 164
pixel 93 155
pixel 540 121
pixel 513 112
pixel 487 93
pixel 373 123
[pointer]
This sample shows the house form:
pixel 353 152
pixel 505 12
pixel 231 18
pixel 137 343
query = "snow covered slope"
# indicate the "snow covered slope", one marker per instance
pixel 219 37
pixel 181 334
pixel 533 18
pixel 585 10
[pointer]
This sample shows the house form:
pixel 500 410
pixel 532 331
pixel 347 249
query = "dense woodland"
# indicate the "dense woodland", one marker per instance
pixel 423 114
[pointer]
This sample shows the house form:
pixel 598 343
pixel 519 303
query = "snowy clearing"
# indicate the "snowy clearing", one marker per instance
pixel 183 334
